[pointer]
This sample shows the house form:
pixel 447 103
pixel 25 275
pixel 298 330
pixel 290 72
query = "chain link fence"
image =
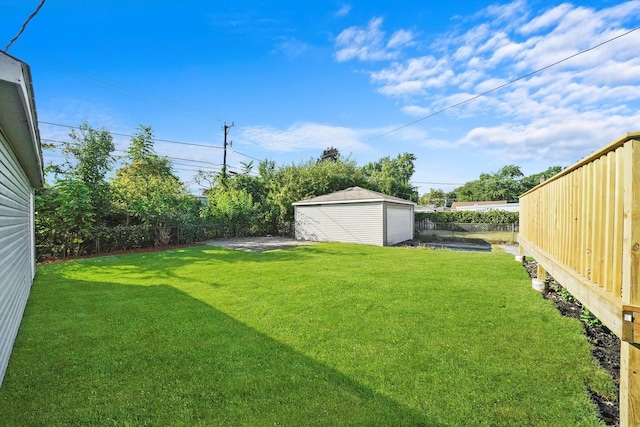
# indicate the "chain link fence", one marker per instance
pixel 492 233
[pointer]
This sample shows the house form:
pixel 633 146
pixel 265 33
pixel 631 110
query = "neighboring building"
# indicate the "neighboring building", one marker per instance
pixel 431 208
pixel 355 215
pixel 20 173
pixel 501 205
pixel 428 208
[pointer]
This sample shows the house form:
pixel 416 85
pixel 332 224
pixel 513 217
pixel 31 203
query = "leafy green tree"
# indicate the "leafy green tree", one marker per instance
pixel 146 189
pixel 232 211
pixel 301 181
pixel 90 158
pixel 532 180
pixel 392 176
pixel 506 184
pixel 331 154
pixel 433 197
pixel 502 185
pixel 64 218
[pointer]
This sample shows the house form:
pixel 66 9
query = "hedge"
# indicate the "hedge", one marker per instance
pixel 470 217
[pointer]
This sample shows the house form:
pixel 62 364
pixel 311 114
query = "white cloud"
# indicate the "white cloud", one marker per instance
pixel 400 39
pixel 343 11
pixel 416 111
pixel 413 77
pixel 292 47
pixel 559 138
pixel 368 44
pixel 562 112
pixel 546 20
pixel 302 136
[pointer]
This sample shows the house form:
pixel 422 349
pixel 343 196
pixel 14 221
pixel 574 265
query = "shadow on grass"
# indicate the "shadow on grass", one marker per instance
pixel 91 353
pixel 154 268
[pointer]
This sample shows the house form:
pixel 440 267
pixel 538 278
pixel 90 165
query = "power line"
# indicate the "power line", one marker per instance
pixel 35 12
pixel 246 155
pixel 206 165
pixel 154 139
pixel 133 136
pixel 436 183
pixel 473 98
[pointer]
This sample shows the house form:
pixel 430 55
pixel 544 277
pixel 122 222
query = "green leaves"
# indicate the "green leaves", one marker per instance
pixel 233 211
pixel 506 184
pixel 392 176
pixel 471 217
pixel 145 189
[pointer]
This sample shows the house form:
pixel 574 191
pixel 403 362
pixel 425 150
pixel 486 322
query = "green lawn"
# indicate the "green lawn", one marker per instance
pixel 329 334
pixel 494 237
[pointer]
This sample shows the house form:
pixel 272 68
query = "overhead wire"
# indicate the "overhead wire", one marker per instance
pixel 510 82
pixel 24 25
pixel 205 165
pixel 133 136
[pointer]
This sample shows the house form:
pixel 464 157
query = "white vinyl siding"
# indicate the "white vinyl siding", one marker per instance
pixel 16 249
pixel 399 224
pixel 348 223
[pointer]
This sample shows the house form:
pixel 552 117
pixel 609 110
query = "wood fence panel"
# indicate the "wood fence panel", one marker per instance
pixel 583 227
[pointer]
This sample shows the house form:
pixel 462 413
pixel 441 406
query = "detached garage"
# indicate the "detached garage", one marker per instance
pixel 355 215
pixel 20 174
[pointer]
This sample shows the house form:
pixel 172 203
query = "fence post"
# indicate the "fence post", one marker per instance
pixel 520 256
pixel 630 353
pixel 540 283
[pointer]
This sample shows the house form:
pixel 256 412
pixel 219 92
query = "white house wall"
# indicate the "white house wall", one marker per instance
pixel 348 223
pixel 16 249
pixel 399 224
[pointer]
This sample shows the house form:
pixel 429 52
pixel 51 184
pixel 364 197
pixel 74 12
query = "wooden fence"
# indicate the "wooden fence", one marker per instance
pixel 583 227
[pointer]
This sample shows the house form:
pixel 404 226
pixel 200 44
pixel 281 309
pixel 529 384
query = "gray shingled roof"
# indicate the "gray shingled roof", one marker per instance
pixel 352 195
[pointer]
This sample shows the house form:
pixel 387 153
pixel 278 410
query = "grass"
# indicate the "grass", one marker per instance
pixel 329 334
pixel 494 237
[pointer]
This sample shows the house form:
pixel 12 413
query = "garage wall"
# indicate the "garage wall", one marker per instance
pixel 16 249
pixel 399 224
pixel 348 223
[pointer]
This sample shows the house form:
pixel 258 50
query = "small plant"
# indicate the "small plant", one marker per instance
pixel 588 318
pixel 565 294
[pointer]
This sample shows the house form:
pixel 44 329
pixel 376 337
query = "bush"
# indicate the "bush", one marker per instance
pixel 470 217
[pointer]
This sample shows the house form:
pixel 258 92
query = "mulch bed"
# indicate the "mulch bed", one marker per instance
pixel 605 345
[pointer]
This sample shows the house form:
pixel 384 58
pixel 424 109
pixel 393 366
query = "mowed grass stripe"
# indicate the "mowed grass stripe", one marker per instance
pixel 329 334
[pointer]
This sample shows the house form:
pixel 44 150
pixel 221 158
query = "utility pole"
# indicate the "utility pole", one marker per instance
pixel 224 159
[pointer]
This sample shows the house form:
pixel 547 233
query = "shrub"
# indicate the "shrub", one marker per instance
pixel 471 217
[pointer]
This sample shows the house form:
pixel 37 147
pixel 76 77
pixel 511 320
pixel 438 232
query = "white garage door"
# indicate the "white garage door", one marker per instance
pixel 399 224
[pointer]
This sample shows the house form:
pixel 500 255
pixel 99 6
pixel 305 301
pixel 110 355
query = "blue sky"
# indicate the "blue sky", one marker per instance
pixel 299 76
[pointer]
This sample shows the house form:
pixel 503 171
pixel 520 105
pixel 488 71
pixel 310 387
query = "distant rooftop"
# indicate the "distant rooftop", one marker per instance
pixel 456 205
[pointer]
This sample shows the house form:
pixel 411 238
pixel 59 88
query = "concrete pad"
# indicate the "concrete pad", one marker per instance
pixel 258 244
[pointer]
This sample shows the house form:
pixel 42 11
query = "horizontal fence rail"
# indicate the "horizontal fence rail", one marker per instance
pixel 492 232
pixel 482 227
pixel 583 227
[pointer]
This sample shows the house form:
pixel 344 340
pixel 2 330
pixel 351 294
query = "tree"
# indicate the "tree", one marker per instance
pixel 146 189
pixel 392 176
pixel 64 217
pixel 433 197
pixel 232 211
pixel 91 152
pixel 532 180
pixel 301 181
pixel 506 184
pixel 331 154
